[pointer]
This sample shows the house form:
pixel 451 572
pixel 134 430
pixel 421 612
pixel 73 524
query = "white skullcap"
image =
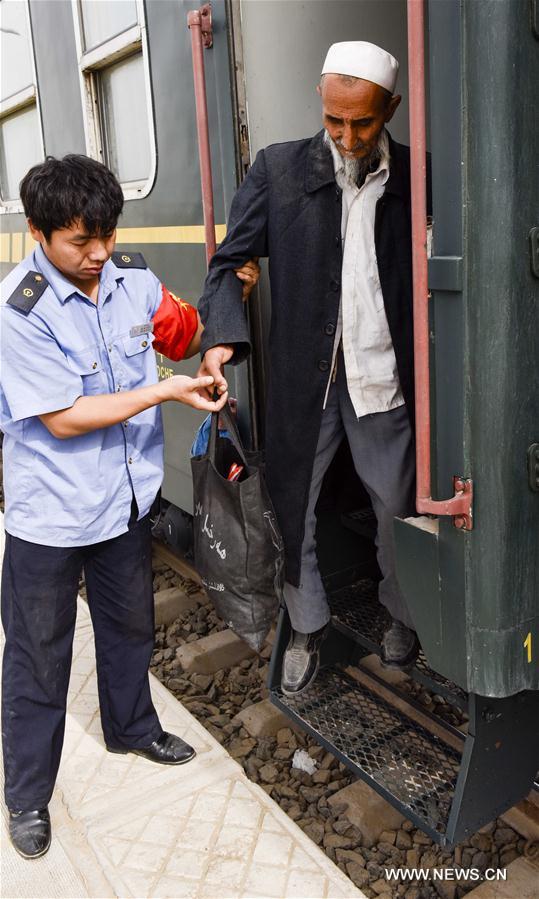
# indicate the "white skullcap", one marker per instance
pixel 362 60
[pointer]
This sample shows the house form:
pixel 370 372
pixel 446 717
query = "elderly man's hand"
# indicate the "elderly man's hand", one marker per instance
pixel 212 366
pixel 249 273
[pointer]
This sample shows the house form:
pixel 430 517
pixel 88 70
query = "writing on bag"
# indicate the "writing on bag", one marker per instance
pixel 211 585
pixel 207 530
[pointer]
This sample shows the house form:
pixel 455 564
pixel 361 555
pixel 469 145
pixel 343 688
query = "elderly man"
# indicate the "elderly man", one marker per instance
pixel 333 214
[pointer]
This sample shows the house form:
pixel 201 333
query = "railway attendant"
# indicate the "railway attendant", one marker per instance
pixel 333 214
pixel 83 462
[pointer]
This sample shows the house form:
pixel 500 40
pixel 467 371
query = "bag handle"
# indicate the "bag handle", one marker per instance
pixel 231 427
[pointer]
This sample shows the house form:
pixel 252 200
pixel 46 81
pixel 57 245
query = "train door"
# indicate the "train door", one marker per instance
pixel 281 103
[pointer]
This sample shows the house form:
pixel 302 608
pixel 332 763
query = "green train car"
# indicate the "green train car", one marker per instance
pixel 115 80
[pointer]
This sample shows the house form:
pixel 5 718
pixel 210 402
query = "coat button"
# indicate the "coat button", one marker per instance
pixel 337 194
pixel 144 343
pixel 130 460
pixel 323 365
pixel 338 241
pixel 94 365
pixel 329 329
pixel 335 285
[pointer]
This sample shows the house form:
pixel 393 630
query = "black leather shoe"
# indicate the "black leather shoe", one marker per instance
pixel 301 661
pixel 30 832
pixel 400 647
pixel 168 749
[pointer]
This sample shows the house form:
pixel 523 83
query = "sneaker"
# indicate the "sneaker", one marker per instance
pixel 301 661
pixel 400 646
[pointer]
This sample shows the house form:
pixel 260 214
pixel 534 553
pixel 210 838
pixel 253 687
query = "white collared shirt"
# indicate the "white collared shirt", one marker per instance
pixel 371 366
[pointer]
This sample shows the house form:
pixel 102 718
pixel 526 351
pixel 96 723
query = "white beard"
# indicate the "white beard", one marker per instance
pixel 355 169
pixel 352 168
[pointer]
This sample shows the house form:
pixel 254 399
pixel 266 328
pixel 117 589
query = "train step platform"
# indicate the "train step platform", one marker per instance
pixel 437 770
pixel 125 827
pixel 407 754
pixel 357 613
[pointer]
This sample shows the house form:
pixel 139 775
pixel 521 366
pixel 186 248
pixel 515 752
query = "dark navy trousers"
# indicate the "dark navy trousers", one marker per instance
pixel 39 593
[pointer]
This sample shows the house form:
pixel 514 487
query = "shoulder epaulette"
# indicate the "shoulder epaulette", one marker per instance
pixel 28 292
pixel 129 260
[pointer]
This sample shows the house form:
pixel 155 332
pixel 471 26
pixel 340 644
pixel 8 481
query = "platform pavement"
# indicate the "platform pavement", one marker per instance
pixel 125 827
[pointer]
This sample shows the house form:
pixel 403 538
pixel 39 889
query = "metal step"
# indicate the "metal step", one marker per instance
pixel 413 768
pixel 357 613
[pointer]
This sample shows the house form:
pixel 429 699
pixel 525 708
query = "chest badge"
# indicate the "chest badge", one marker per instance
pixel 138 330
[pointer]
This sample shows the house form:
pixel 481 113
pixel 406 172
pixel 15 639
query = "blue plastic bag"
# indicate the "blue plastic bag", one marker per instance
pixel 200 443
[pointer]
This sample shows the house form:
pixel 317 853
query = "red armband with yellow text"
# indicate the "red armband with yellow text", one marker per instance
pixel 174 325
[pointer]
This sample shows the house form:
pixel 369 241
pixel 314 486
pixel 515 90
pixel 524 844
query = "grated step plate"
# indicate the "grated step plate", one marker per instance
pixel 405 761
pixel 359 614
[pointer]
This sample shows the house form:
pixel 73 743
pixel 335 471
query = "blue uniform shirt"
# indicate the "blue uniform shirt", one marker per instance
pixel 77 491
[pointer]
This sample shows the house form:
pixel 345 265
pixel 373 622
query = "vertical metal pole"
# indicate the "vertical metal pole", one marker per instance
pixel 194 23
pixel 416 74
pixel 460 505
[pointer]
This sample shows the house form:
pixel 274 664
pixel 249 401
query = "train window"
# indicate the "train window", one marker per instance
pixel 101 21
pixel 127 141
pixel 20 149
pixel 16 55
pixel 21 143
pixel 115 83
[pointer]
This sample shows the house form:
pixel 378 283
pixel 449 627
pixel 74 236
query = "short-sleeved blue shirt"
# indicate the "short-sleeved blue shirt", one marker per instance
pixel 77 491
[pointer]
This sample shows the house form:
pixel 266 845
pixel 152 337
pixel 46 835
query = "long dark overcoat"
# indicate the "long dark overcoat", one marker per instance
pixel 289 208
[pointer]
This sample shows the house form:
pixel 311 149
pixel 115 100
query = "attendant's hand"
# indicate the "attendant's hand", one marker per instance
pixel 195 392
pixel 249 273
pixel 212 366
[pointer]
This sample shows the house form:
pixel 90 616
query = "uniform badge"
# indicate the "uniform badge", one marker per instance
pixel 137 330
pixel 28 292
pixel 128 260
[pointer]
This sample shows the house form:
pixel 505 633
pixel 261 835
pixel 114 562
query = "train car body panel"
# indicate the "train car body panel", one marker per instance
pixel 478 608
pixel 502 146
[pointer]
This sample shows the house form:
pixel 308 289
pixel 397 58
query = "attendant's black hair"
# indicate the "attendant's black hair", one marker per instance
pixel 58 192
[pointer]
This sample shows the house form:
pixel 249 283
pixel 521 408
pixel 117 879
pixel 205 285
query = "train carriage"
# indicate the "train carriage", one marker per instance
pixel 115 80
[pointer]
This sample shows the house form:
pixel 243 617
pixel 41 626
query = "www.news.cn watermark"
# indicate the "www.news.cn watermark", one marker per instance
pixel 405 875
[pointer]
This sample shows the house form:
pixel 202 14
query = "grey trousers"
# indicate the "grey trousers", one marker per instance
pixel 382 450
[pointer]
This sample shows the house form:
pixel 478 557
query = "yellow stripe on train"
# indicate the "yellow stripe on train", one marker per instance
pixel 17 245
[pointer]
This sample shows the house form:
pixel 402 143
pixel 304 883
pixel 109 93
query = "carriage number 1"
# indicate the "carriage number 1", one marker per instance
pixel 528 646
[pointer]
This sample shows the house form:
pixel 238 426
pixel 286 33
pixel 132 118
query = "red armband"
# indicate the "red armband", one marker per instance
pixel 174 325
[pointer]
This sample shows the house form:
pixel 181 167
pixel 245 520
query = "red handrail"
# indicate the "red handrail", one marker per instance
pixel 460 505
pixel 197 21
